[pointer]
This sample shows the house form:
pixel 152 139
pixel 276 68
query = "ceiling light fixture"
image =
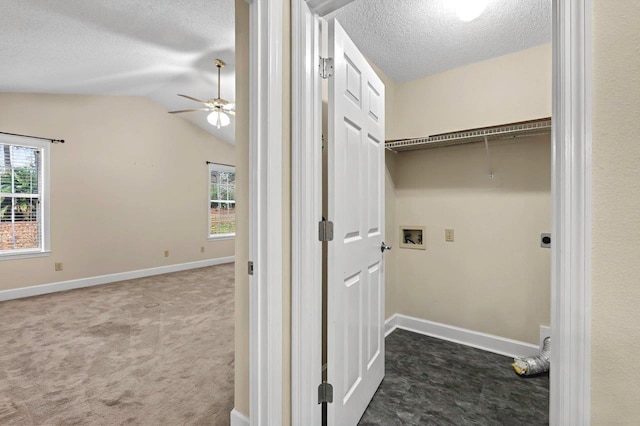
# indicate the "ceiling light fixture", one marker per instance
pixel 468 10
pixel 219 109
pixel 218 119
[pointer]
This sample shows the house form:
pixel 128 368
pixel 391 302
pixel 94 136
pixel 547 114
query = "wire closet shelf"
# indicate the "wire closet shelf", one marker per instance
pixel 507 131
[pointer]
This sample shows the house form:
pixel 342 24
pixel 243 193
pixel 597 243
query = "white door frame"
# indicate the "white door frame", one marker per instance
pixel 265 218
pixel 571 225
pixel 570 388
pixel 306 205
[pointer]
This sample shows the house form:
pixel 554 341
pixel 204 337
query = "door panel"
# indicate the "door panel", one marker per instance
pixel 355 300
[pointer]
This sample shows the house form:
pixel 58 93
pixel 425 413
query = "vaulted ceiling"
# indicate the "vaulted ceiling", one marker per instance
pixel 410 39
pixel 152 48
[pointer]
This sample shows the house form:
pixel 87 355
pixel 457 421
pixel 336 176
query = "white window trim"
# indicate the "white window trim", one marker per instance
pixel 24 254
pixel 45 186
pixel 218 237
pixel 220 168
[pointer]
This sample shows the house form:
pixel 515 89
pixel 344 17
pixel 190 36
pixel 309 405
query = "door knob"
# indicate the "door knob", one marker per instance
pixel 384 247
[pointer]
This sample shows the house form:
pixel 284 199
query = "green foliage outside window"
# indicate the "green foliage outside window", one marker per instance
pixel 222 202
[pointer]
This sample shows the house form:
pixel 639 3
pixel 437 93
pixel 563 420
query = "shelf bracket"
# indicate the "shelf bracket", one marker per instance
pixel 486 147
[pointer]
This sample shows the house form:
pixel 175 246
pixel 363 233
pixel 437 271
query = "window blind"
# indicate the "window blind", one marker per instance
pixel 20 198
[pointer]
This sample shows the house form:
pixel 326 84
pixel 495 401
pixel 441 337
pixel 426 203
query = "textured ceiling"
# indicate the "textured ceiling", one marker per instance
pixel 152 48
pixel 410 39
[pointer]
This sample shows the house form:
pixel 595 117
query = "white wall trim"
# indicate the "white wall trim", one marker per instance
pixel 475 339
pixel 570 402
pixel 390 324
pixel 37 290
pixel 238 419
pixel 306 273
pixel 45 179
pixel 265 206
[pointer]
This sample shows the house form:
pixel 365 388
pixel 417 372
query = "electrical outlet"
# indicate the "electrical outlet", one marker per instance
pixel 545 240
pixel 202 249
pixel 58 266
pixel 448 235
pixel 166 253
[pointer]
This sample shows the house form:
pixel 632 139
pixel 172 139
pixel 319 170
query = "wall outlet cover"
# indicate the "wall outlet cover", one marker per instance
pixel 448 235
pixel 545 240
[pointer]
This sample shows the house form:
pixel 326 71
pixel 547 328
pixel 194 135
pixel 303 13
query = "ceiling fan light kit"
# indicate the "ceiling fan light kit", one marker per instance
pixel 219 109
pixel 218 119
pixel 468 10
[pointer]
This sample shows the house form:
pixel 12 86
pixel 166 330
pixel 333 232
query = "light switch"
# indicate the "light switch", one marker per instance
pixel 448 235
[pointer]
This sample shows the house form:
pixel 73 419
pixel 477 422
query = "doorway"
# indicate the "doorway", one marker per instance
pixel 572 243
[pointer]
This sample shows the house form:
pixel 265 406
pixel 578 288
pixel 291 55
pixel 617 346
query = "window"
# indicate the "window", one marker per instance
pixel 24 210
pixel 222 201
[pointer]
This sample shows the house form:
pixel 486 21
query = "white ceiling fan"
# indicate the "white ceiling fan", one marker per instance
pixel 219 109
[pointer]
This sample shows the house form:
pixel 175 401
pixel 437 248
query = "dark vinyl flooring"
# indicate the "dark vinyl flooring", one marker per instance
pixel 434 382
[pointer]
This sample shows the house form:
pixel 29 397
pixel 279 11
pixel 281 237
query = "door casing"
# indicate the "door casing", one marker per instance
pixel 570 401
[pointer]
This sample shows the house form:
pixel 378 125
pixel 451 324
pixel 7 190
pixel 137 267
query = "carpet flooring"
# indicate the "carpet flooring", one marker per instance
pixel 150 351
pixel 434 382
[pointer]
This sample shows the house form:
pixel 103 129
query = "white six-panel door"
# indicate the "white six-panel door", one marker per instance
pixel 355 305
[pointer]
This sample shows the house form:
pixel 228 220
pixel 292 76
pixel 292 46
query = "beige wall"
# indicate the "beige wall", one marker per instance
pixel 510 88
pixel 494 278
pixel 129 183
pixel 391 238
pixel 241 394
pixel 616 222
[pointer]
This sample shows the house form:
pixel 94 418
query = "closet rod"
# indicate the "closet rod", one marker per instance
pixel 34 137
pixel 512 130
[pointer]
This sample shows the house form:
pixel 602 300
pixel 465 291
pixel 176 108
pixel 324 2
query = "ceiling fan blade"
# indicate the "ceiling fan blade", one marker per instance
pixel 192 98
pixel 188 110
pixel 229 107
pixel 230 112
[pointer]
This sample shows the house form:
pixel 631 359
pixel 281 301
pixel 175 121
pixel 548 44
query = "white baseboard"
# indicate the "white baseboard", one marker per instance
pixel 238 419
pixel 390 324
pixel 37 290
pixel 475 339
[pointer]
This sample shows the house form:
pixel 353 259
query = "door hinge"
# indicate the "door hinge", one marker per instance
pixel 250 268
pixel 325 230
pixel 326 67
pixel 325 393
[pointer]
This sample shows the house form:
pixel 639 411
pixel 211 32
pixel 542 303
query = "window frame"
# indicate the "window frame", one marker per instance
pixel 218 167
pixel 45 190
